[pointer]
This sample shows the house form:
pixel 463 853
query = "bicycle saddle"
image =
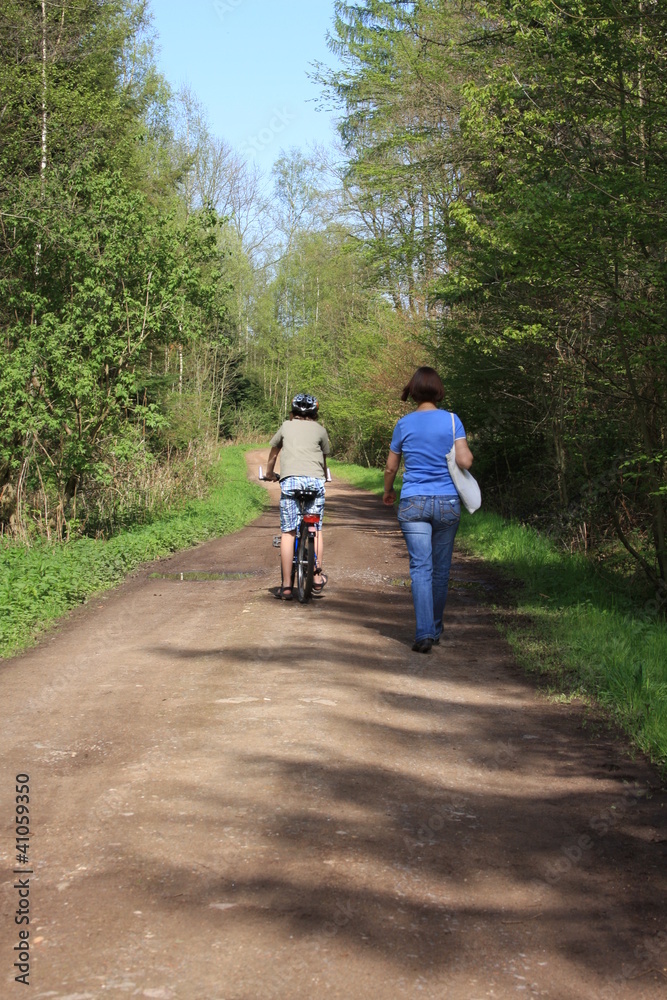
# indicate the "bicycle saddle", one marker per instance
pixel 303 494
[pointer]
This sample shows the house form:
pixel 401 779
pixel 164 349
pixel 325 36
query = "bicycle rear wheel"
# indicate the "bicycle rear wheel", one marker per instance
pixel 305 565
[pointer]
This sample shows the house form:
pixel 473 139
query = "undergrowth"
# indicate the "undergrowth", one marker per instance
pixel 571 620
pixel 40 583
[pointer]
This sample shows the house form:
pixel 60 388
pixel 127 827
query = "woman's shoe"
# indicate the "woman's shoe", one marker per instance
pixel 422 646
pixel 284 593
pixel 319 587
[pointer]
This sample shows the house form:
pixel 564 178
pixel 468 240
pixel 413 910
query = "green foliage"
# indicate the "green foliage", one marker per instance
pixel 39 584
pixel 561 251
pixel 364 477
pixel 106 278
pixel 321 326
pixel 133 486
pixel 506 164
pixel 575 623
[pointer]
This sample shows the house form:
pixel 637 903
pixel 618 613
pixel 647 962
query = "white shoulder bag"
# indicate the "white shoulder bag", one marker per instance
pixel 466 485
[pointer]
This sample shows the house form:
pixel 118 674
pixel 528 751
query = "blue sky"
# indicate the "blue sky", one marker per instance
pixel 247 60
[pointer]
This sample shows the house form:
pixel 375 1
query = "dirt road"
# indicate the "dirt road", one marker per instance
pixel 234 798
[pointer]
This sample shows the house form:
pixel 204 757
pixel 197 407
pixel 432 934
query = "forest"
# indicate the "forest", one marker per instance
pixel 496 207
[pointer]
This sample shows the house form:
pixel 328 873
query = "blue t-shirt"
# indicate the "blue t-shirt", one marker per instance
pixel 424 438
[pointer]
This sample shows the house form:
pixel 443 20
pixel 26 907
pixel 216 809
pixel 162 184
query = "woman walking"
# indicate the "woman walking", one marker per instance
pixel 430 509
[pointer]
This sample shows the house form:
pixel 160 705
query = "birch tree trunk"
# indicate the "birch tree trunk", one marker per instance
pixel 42 166
pixel 42 172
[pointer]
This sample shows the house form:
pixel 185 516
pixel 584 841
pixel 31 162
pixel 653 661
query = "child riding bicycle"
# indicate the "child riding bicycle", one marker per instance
pixel 304 444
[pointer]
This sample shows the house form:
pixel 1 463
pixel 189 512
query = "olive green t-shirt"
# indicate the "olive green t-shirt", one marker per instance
pixel 303 443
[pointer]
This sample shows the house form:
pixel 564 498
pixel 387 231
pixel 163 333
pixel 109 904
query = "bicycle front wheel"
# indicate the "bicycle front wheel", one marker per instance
pixel 305 565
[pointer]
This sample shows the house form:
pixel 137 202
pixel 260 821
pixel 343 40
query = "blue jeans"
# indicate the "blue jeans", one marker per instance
pixel 429 526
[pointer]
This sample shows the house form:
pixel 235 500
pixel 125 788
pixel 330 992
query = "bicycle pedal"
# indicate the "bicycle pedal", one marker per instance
pixel 276 541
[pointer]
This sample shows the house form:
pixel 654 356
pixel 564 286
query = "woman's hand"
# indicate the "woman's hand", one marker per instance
pixel 390 470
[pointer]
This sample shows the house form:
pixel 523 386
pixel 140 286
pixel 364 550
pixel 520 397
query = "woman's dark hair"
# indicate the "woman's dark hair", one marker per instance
pixel 425 386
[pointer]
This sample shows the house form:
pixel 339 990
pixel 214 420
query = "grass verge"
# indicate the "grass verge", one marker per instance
pixel 40 583
pixel 571 621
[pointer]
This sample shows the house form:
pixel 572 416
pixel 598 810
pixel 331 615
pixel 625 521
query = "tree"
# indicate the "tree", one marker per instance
pixel 564 240
pixel 506 164
pixel 98 272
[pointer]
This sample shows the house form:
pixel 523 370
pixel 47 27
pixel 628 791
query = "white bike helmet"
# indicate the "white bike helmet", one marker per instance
pixel 304 405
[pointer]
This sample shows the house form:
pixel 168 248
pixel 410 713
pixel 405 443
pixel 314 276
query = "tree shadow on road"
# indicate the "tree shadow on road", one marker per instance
pixel 449 812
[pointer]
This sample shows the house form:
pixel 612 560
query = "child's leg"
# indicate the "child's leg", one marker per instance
pixel 319 547
pixel 287 555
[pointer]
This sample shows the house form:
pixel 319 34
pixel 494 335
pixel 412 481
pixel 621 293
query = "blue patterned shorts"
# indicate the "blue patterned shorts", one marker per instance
pixel 289 508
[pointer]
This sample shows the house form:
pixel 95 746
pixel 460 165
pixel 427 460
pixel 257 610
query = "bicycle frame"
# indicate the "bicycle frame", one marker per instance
pixel 304 559
pixel 303 564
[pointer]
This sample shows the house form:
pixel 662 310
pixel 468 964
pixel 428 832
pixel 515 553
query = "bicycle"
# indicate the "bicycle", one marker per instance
pixel 304 561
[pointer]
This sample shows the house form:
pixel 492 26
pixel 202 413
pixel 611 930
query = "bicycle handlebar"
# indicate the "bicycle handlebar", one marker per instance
pixel 265 479
pixel 276 478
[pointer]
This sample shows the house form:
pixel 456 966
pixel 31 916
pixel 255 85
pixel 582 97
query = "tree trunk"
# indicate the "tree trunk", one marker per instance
pixel 20 490
pixel 42 172
pixel 42 166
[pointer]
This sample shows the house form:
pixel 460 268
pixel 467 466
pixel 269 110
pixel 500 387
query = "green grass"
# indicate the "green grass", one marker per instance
pixel 366 479
pixel 569 619
pixel 39 584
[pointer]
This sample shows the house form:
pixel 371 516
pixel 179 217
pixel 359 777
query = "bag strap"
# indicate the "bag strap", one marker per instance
pixel 453 429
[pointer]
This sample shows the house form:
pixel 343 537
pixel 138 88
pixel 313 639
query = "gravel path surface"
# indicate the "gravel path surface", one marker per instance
pixel 235 798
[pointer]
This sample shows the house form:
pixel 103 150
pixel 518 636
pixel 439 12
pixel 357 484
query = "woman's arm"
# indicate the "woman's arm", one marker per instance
pixel 390 470
pixel 462 453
